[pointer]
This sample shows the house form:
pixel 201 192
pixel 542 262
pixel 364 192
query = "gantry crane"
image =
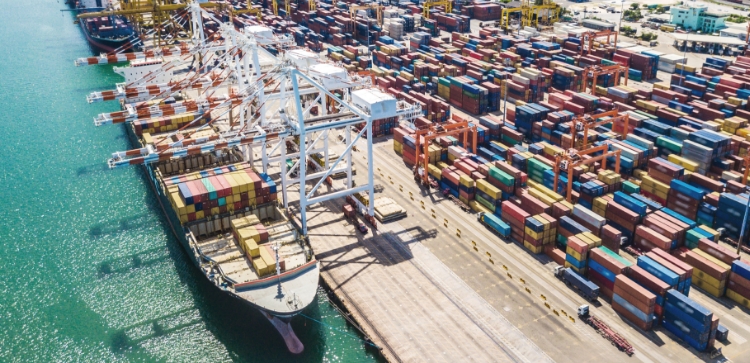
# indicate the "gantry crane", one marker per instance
pixel 595 71
pixel 378 9
pixel 287 7
pixel 572 158
pixel 590 121
pixel 447 4
pixel 587 38
pixel 433 132
pixel 544 12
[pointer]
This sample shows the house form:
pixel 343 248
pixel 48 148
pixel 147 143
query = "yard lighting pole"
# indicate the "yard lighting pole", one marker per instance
pixel 622 11
pixel 684 60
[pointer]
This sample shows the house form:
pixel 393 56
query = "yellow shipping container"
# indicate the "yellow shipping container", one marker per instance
pixel 532 248
pixel 687 68
pixel 713 259
pixel 466 181
pixel 260 267
pixel 199 215
pixel 442 165
pixel 581 271
pixel 738 298
pixel 478 207
pixel 712 290
pixel 541 196
pixel 590 237
pixel 705 279
pixel 662 86
pixel 573 253
pixel 547 224
pixel 434 171
pixel 250 247
pixel 246 233
pixel 464 200
pixel 532 234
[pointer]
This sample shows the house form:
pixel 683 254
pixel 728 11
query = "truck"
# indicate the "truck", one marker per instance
pixel 351 215
pixel 494 223
pixel 571 278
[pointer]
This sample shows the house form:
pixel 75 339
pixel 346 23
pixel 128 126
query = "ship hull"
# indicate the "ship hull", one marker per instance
pixel 105 45
pixel 281 322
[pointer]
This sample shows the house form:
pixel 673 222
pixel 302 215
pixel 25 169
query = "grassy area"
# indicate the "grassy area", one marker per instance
pixel 734 18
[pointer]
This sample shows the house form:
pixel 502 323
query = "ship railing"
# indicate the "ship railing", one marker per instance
pixel 214 265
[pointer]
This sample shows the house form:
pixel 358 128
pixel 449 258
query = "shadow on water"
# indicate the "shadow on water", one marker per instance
pixel 118 226
pixel 131 263
pixel 92 169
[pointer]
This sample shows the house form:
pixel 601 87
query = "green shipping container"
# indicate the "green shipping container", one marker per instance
pixel 670 144
pixel 616 256
pixel 485 203
pixel 631 188
pixel 501 176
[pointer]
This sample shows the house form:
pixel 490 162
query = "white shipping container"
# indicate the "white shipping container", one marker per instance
pixel 589 216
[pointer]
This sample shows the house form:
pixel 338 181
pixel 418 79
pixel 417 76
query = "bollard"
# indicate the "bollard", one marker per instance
pixel 523 281
pixel 527 290
pixel 505 267
pixel 492 262
pixel 509 275
pixel 563 312
pixel 543 297
pixel 488 254
pixel 571 319
pixel 547 305
pixel 555 311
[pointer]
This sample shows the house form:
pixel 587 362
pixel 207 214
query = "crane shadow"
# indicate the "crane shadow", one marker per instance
pixel 118 226
pixel 132 262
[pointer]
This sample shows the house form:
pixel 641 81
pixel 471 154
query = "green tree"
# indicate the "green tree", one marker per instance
pixel 635 6
pixel 628 31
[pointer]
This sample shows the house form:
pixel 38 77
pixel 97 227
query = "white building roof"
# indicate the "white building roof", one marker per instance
pixel 708 39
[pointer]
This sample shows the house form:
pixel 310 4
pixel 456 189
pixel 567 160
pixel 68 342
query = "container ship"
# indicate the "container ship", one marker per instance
pixel 224 212
pixel 105 33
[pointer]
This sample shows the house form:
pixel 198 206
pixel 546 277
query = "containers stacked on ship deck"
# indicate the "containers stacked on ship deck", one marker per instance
pixel 211 192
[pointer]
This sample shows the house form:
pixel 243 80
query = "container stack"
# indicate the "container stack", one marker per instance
pixel 684 198
pixel 488 195
pixel 732 207
pixel 654 285
pixel 516 218
pixel 586 217
pixel 211 192
pixel 710 274
pixel 539 230
pixel 689 321
pixel 604 265
pixel 634 302
pixel 738 288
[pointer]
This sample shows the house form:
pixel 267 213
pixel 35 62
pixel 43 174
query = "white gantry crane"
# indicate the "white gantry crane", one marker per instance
pixel 269 104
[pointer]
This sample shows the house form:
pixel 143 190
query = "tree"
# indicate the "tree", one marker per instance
pixel 635 6
pixel 660 9
pixel 648 36
pixel 628 31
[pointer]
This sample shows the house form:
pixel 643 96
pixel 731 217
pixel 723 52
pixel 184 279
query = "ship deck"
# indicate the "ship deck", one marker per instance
pixel 226 251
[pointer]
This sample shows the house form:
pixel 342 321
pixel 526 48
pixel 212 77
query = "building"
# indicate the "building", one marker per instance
pixel 733 31
pixel 697 18
pixel 597 24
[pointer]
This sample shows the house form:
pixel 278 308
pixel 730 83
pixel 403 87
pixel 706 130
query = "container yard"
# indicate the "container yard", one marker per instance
pixel 521 196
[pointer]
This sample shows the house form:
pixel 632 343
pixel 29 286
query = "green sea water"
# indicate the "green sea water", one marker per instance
pixel 89 271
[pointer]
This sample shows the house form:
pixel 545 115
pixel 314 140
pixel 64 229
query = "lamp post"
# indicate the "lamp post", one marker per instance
pixel 622 11
pixel 682 73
